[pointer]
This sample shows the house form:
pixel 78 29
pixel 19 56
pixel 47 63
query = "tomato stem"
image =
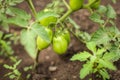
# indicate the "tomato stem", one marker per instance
pixel 30 3
pixel 65 15
pixel 106 22
pixel 86 6
pixel 36 61
pixel 66 4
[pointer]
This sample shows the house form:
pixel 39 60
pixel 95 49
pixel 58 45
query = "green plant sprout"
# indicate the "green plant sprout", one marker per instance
pixel 15 73
pixel 5 46
pixel 97 62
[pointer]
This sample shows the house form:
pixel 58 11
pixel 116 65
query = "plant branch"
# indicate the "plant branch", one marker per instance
pixel 106 22
pixel 66 4
pixel 86 6
pixel 30 3
pixel 65 15
pixel 36 60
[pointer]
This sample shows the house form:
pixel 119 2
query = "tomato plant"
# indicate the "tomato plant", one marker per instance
pixel 50 25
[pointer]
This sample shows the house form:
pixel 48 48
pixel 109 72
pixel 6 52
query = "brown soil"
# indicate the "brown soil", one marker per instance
pixel 52 66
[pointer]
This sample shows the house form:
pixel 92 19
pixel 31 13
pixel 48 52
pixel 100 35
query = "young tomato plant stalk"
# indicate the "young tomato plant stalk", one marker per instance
pixel 58 40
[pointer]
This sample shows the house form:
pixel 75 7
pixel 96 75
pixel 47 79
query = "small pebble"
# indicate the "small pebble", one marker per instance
pixel 52 68
pixel 74 77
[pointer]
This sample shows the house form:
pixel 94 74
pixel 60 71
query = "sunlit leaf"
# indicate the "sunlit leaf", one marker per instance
pixel 104 74
pixel 28 40
pixel 14 2
pixel 82 56
pixel 96 18
pixel 100 37
pixel 18 21
pixel 102 9
pixel 91 46
pixel 20 13
pixel 40 31
pixel 87 68
pixel 111 12
pixel 42 14
pixel 107 64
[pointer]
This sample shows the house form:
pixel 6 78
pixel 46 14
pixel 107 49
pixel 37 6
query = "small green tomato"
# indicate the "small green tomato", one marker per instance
pixel 41 43
pixel 60 45
pixel 76 4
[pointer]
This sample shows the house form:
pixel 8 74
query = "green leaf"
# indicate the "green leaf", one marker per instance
pixel 74 23
pixel 16 72
pixel 42 14
pixel 40 31
pixel 14 2
pixel 100 51
pixel 3 22
pixel 100 37
pixel 84 36
pixel 82 56
pixel 104 74
pixel 18 21
pixel 111 12
pixel 107 64
pixel 12 76
pixel 112 31
pixel 5 26
pixel 27 39
pixel 7 66
pixel 2 17
pixel 28 68
pixel 87 68
pixel 9 12
pixel 6 48
pixel 91 46
pixel 102 9
pixel 116 51
pixel 110 56
pixel 20 13
pixel 96 18
pixel 93 59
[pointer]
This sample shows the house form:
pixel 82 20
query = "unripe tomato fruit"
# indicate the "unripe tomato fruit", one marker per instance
pixel 59 45
pixel 48 20
pixel 41 43
pixel 66 35
pixel 76 4
pixel 96 4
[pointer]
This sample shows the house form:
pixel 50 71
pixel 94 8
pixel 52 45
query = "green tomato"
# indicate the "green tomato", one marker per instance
pixel 41 43
pixel 47 21
pixel 60 45
pixel 66 35
pixel 76 4
pixel 96 4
